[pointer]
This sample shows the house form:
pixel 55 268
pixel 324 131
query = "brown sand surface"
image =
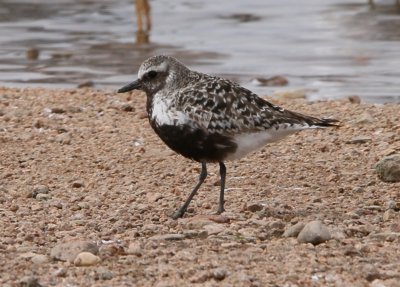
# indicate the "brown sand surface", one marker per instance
pixel 85 165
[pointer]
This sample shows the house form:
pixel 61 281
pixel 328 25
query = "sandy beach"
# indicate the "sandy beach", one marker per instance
pixel 81 170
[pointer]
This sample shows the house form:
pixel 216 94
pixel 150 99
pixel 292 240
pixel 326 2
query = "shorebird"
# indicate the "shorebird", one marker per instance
pixel 210 119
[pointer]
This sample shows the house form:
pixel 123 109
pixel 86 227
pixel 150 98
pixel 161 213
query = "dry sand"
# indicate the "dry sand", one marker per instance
pixel 81 165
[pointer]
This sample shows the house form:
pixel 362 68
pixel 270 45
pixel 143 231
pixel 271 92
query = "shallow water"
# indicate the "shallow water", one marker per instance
pixel 333 48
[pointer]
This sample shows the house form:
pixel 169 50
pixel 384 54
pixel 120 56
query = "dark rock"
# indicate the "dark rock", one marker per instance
pixel 254 207
pixel 388 168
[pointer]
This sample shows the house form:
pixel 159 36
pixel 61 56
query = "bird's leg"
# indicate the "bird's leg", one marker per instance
pixel 181 211
pixel 222 171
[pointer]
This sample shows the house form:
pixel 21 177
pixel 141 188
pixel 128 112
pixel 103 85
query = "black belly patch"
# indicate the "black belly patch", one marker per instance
pixel 196 144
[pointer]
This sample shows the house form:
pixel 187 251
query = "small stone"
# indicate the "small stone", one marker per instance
pixel 358 189
pixel 314 232
pixel 169 237
pixel 389 214
pixel 14 207
pixel 391 204
pixel 354 99
pixel 294 230
pixel 386 236
pixel 219 274
pixel 273 81
pixel 86 259
pixel 86 84
pixel 214 228
pixel 29 281
pixel 135 248
pixel 200 277
pixel 43 197
pixel 104 274
pixel 57 110
pixel 388 168
pixel 64 138
pixel 359 140
pixel 60 272
pixel 365 118
pixel 32 53
pixel 254 207
pixel 39 259
pixel 40 189
pixel 127 108
pixel 371 272
pixel 38 123
pixel 78 184
pixel 154 197
pixel 68 251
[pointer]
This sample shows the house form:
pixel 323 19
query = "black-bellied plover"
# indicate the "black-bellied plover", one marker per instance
pixel 210 119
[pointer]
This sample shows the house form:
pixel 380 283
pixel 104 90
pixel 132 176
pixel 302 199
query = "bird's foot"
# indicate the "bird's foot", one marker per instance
pixel 178 214
pixel 220 210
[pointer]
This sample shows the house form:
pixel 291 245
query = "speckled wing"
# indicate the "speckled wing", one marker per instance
pixel 224 107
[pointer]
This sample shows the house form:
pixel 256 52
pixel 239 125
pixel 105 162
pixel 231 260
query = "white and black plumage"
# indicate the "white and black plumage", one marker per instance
pixel 210 119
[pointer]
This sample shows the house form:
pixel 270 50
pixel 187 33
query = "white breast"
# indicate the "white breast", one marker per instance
pixel 164 113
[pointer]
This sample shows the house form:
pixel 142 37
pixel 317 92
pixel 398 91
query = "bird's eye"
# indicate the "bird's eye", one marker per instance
pixel 152 74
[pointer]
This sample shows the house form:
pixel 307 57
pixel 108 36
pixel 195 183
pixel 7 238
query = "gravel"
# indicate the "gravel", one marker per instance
pixel 80 171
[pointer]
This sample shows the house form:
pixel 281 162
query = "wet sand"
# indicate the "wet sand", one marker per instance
pixel 82 164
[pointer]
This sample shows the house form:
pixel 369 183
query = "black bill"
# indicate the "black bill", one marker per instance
pixel 135 85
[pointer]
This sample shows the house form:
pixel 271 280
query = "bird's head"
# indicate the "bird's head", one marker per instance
pixel 155 74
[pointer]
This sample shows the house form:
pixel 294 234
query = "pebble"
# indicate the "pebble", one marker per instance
pixel 39 259
pixel 214 228
pixel 86 84
pixel 254 207
pixel 314 232
pixel 32 53
pixel 273 81
pixel 386 236
pixel 354 99
pixel 86 259
pixel 104 274
pixel 294 230
pixel 127 108
pixel 57 110
pixel 365 118
pixel 370 272
pixel 219 274
pixel 68 251
pixel 78 184
pixel 43 196
pixel 64 138
pixel 135 248
pixel 40 189
pixel 169 237
pixel 29 281
pixel 389 214
pixel 388 168
pixel 359 140
pixel 154 196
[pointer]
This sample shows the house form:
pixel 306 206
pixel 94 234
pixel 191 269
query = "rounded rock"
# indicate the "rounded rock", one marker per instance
pixel 388 168
pixel 86 259
pixel 314 232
